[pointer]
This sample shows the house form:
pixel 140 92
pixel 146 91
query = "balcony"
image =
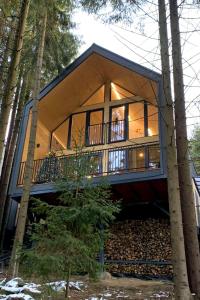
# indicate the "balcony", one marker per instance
pixel 110 161
pixel 101 134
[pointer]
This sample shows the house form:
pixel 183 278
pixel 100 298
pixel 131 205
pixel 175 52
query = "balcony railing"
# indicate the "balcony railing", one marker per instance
pixel 107 161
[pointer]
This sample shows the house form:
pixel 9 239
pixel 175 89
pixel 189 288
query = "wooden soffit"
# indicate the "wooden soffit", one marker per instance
pixel 70 93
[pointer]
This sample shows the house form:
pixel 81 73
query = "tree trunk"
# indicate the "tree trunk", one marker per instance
pixel 8 161
pixel 6 54
pixel 67 284
pixel 4 169
pixel 185 178
pixel 178 248
pixel 20 230
pixel 12 75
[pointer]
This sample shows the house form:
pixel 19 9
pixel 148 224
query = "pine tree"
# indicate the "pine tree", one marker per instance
pixel 69 238
pixel 185 178
pixel 177 239
pixel 12 74
pixel 19 235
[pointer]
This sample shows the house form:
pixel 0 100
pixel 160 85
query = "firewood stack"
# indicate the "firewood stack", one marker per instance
pixel 144 240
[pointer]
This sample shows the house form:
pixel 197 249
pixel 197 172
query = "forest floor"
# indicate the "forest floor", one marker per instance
pixel 107 289
pixel 125 288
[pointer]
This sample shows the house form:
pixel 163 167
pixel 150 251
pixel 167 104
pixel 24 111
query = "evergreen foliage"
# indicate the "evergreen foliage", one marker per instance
pixel 68 237
pixel 113 11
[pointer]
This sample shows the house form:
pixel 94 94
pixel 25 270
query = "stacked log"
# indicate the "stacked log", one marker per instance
pixel 140 240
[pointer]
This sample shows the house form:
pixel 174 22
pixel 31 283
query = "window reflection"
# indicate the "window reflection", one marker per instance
pixel 117 126
pixel 154 157
pixel 78 129
pixel 117 160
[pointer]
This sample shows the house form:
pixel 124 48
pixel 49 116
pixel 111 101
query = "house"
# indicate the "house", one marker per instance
pixel 116 104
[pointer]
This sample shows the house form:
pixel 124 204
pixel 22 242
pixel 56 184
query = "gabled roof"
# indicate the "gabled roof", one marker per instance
pixel 94 48
pixel 87 73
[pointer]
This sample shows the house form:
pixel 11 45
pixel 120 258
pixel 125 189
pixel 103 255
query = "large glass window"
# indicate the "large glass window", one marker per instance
pixel 152 120
pixel 136 120
pixel 60 136
pixel 117 125
pixel 140 158
pixel 154 157
pixel 95 128
pixel 119 93
pixel 117 160
pixel 136 158
pixel 78 129
pixel 96 163
pixel 96 97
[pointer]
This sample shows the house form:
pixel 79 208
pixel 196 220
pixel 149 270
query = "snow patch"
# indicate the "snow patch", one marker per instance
pixel 16 296
pixel 160 295
pixel 11 289
pixel 15 282
pixel 60 285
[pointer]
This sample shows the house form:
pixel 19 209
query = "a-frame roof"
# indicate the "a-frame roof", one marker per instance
pixel 86 74
pixel 94 48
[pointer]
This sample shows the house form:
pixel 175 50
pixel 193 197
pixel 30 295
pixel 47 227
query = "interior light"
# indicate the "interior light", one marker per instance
pixel 150 133
pixel 141 154
pixel 114 88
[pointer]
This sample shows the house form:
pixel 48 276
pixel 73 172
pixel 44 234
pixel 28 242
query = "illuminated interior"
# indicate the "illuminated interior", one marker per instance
pixel 82 109
pixel 152 120
pixel 60 137
pixel 78 130
pixel 95 127
pixel 117 126
pixel 119 93
pixel 136 120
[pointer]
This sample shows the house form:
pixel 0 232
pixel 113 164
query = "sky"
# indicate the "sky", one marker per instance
pixel 139 42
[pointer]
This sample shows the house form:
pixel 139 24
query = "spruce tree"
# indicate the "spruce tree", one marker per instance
pixel 68 237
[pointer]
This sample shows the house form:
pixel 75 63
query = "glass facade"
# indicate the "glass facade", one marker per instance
pixel 78 130
pixel 136 120
pixel 129 121
pixel 119 93
pixel 117 160
pixel 152 120
pixel 95 128
pixel 117 124
pixel 60 137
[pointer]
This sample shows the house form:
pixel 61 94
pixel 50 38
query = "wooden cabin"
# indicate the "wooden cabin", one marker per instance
pixel 116 104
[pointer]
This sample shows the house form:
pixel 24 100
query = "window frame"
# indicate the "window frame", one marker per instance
pixel 88 118
pixel 87 124
pixel 70 128
pixel 125 123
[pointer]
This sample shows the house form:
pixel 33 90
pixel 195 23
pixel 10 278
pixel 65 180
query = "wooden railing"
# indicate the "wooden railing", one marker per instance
pixel 107 161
